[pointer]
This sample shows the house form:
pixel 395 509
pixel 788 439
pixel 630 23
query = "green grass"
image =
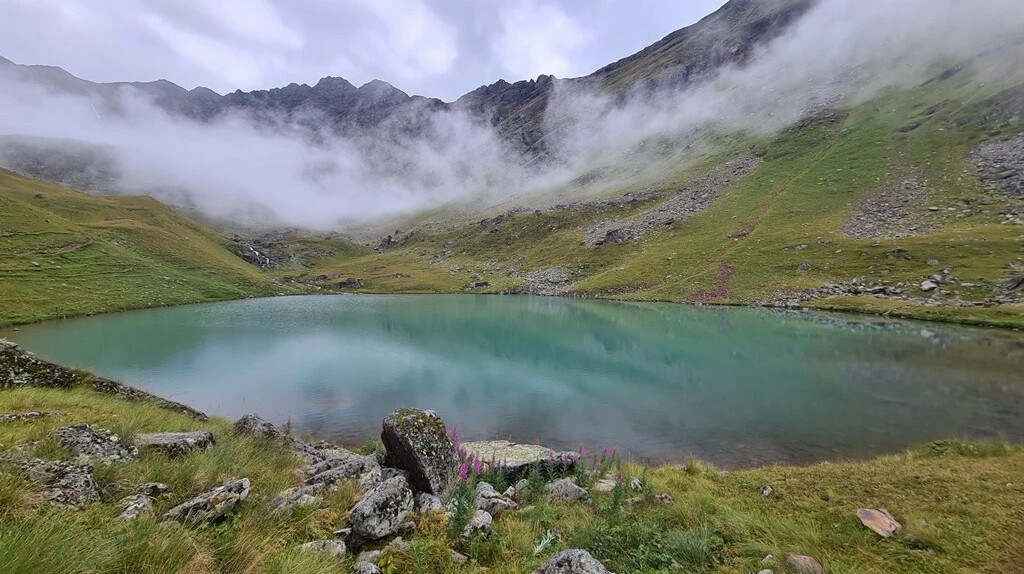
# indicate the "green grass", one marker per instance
pixel 959 503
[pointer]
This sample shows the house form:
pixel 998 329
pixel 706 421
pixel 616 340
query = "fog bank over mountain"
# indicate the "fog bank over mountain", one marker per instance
pixel 401 156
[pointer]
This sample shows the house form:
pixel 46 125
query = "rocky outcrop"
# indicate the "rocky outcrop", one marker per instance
pixel 212 505
pixel 572 562
pixel 93 445
pixel 382 510
pixel 175 444
pixel 416 441
pixel 1001 165
pixel 19 367
pixel 65 485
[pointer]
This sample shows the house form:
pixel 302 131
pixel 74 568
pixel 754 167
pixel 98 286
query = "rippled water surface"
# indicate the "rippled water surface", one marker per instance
pixel 737 387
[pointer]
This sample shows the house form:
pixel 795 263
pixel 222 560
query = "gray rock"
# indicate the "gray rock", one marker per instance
pixel 516 460
pixel 64 485
pixel 428 503
pixel 211 505
pixel 380 512
pixel 175 444
pixel 332 548
pixel 635 484
pixel 566 490
pixel 459 558
pixel 804 564
pixel 491 501
pixel 29 416
pixel 928 285
pixel 572 562
pixel 479 523
pixel 416 441
pixel 295 497
pixel 369 557
pixel 366 568
pixel 86 444
pixel 135 506
pixel 342 465
pixel 151 488
pixel 254 426
pixel 604 485
pixel 767 491
pixel 663 498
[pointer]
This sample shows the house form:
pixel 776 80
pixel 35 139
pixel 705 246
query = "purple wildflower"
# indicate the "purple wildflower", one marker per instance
pixel 583 451
pixel 477 466
pixel 464 473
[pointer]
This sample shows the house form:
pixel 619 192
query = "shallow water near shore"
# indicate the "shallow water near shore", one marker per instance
pixel 737 387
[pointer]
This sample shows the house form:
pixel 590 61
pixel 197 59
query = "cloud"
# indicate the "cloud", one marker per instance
pixel 539 38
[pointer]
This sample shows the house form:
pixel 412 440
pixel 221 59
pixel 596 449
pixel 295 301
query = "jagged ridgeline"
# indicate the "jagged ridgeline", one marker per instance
pixel 735 161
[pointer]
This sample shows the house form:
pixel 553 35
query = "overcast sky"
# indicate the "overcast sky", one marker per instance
pixel 439 48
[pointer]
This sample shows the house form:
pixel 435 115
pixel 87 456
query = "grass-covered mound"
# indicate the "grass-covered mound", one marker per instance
pixel 959 503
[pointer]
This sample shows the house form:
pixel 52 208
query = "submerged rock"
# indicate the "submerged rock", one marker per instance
pixel 572 562
pixel 382 510
pixel 211 505
pixel 175 444
pixel 417 442
pixel 87 444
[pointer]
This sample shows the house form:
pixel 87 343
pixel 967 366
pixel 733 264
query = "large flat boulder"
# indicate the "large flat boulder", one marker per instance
pixel 175 443
pixel 417 442
pixel 94 445
pixel 382 510
pixel 516 459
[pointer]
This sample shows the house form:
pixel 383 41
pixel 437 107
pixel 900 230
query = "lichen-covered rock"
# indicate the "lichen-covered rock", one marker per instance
pixel 382 509
pixel 416 441
pixel 95 445
pixel 29 416
pixel 490 500
pixel 366 568
pixel 342 465
pixel 515 460
pixel 135 506
pixel 253 426
pixel 175 444
pixel 211 505
pixel 566 490
pixel 332 548
pixel 64 485
pixel 572 562
pixel 296 497
pixel 151 488
pixel 428 503
pixel 479 523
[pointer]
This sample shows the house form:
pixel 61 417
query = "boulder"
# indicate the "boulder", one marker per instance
pixel 566 490
pixel 428 503
pixel 253 426
pixel 86 444
pixel 491 501
pixel 804 564
pixel 516 460
pixel 380 512
pixel 332 548
pixel 175 444
pixel 879 520
pixel 416 441
pixel 135 506
pixel 572 562
pixel 211 505
pixel 479 523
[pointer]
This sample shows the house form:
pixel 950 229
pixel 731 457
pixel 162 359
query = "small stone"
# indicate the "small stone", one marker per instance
pixel 572 562
pixel 933 262
pixel 635 484
pixel 428 503
pixel 879 520
pixel 487 498
pixel 804 564
pixel 459 558
pixel 480 523
pixel 151 488
pixel 295 497
pixel 134 506
pixel 369 557
pixel 767 491
pixel 928 285
pixel 174 444
pixel 333 548
pixel 604 485
pixel 366 568
pixel 566 490
pixel 766 571
pixel 663 498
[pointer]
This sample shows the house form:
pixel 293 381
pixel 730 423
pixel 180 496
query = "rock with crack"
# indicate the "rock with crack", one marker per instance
pixel 572 562
pixel 253 426
pixel 566 490
pixel 86 444
pixel 515 460
pixel 65 485
pixel 381 510
pixel 879 520
pixel 174 444
pixel 491 501
pixel 332 548
pixel 211 505
pixel 416 441
pixel 296 497
pixel 135 506
pixel 479 523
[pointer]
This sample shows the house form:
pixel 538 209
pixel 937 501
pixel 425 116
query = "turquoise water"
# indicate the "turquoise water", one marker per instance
pixel 737 387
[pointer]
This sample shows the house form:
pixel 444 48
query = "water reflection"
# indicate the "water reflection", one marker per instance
pixel 734 386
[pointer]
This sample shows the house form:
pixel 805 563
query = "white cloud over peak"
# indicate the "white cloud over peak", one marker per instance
pixel 539 38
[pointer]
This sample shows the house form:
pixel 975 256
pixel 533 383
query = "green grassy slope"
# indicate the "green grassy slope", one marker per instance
pixel 64 253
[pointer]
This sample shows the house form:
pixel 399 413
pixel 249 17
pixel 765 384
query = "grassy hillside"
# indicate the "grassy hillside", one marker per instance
pixel 959 504
pixel 64 253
